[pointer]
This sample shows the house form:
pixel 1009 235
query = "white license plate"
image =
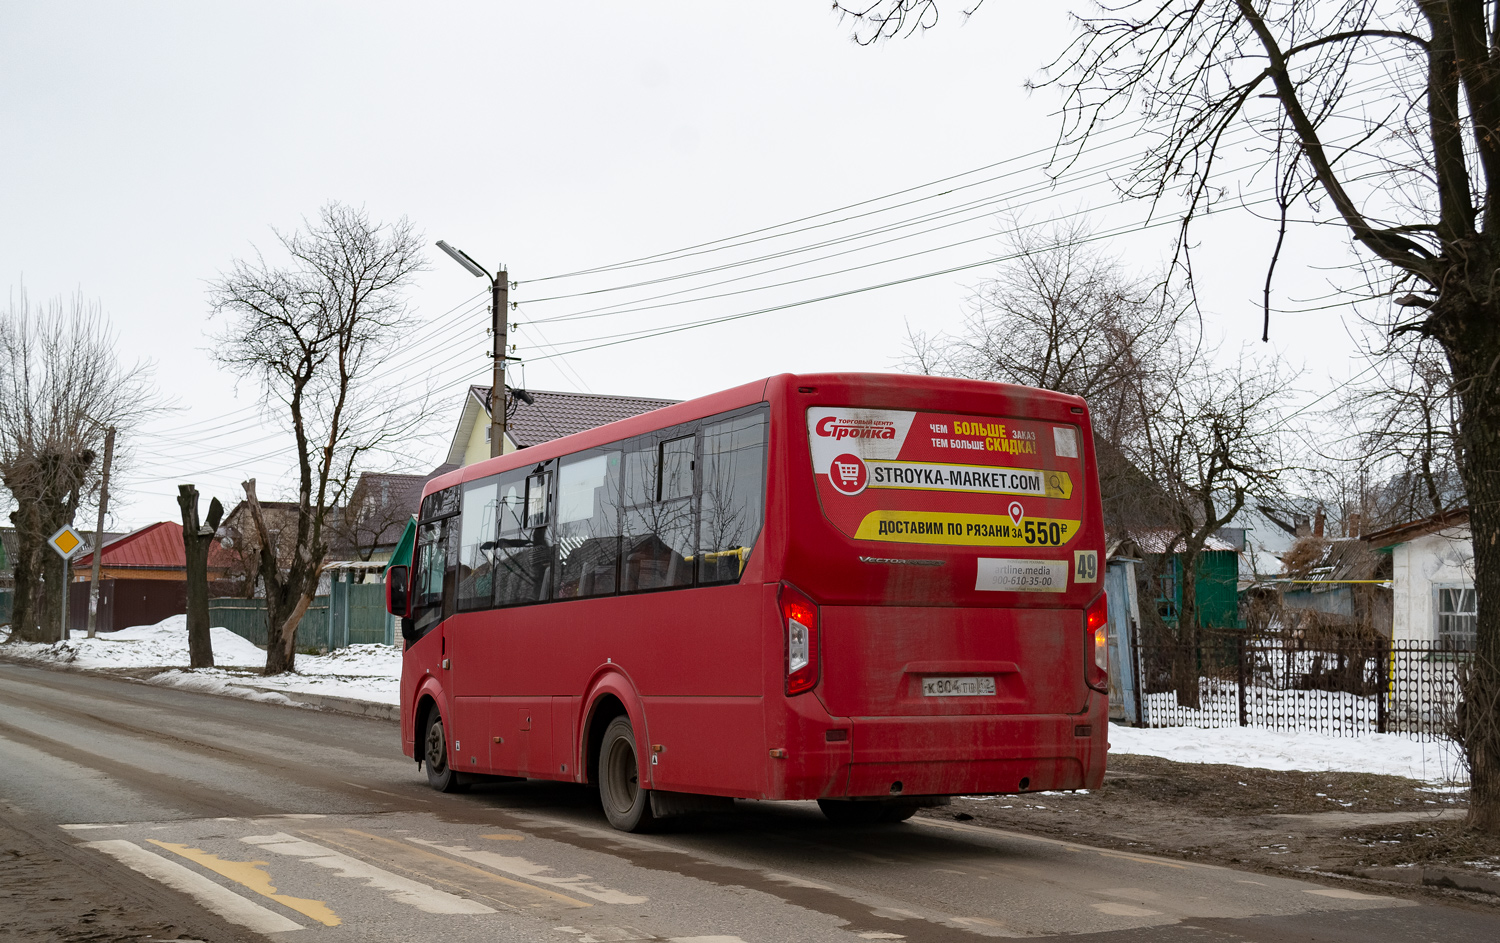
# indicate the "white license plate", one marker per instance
pixel 957 687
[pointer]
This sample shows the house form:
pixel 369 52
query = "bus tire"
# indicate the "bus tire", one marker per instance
pixel 626 804
pixel 440 774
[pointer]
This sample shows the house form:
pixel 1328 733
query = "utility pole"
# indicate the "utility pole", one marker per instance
pixel 109 453
pixel 500 321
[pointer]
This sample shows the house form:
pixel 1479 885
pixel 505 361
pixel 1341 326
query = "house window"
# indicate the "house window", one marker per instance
pixel 1457 617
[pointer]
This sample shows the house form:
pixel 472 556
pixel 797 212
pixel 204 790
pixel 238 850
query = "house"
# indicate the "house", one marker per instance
pixel 1160 576
pixel 241 538
pixel 1341 584
pixel 142 578
pixel 536 416
pixel 368 527
pixel 1432 579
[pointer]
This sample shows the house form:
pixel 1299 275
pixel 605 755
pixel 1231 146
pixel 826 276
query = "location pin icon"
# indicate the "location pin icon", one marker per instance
pixel 1017 512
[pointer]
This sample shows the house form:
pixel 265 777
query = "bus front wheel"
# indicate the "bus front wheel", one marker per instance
pixel 440 775
pixel 626 804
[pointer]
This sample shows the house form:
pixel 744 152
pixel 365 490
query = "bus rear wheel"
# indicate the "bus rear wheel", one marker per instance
pixel 440 775
pixel 849 812
pixel 626 804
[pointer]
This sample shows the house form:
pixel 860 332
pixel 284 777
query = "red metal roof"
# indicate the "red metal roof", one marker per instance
pixel 155 546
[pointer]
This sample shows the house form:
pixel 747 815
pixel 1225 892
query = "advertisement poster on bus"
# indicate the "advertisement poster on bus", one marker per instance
pixel 943 478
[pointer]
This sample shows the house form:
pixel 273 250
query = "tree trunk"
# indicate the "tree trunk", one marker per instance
pixel 1188 686
pixel 25 569
pixel 1474 353
pixel 196 542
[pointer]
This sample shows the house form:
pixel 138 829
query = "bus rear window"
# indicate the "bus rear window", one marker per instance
pixel 945 478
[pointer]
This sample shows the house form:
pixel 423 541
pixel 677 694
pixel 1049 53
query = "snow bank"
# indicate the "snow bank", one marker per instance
pixel 1390 754
pixel 145 646
pixel 362 672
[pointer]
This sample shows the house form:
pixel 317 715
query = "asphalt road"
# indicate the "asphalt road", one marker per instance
pixel 228 820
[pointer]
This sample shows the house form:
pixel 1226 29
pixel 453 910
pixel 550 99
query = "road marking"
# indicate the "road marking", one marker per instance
pixel 443 870
pixel 249 874
pixel 81 826
pixel 1125 910
pixel 504 837
pixel 1342 894
pixel 403 890
pixel 705 939
pixel 608 934
pixel 219 900
pixel 880 935
pixel 521 868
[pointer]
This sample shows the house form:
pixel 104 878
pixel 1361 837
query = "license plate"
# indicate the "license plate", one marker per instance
pixel 957 687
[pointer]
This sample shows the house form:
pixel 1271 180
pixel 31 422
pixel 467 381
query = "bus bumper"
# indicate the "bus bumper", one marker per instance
pixel 946 756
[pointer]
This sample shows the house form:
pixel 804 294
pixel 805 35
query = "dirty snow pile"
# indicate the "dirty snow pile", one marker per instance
pixel 361 672
pixel 1389 754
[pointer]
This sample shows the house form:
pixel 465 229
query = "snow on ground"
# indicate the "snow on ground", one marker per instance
pixel 1390 754
pixel 143 646
pixel 362 672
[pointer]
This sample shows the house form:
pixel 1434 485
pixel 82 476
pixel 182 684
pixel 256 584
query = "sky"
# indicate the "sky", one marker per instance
pixel 148 145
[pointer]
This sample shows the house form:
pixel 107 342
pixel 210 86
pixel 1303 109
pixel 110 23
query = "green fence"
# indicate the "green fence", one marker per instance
pixel 5 598
pixel 353 614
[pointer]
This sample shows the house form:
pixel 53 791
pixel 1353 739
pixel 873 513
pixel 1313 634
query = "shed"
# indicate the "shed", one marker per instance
pixel 142 578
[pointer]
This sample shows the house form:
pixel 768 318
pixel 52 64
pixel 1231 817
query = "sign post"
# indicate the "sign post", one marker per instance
pixel 66 542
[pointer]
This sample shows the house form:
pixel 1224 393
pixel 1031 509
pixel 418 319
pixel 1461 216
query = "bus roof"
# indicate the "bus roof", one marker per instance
pixel 745 395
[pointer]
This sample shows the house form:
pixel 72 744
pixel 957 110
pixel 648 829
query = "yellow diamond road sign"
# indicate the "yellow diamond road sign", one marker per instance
pixel 66 542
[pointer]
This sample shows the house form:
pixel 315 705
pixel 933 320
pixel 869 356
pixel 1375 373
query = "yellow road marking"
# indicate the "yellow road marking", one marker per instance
pixel 505 837
pixel 249 874
pixel 394 852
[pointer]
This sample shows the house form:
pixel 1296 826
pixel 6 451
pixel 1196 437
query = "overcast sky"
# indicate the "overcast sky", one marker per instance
pixel 147 145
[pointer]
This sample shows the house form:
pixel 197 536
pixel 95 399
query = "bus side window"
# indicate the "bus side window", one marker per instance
pixel 733 495
pixel 476 545
pixel 658 521
pixel 523 556
pixel 587 530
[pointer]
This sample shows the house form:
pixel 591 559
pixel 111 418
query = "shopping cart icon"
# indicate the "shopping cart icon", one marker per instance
pixel 848 474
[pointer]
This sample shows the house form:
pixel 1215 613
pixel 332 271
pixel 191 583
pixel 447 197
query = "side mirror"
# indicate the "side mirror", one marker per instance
pixel 397 595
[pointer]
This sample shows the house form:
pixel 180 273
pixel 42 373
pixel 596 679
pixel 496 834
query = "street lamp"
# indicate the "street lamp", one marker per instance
pixel 499 310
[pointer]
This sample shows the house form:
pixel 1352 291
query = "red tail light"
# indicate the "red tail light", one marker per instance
pixel 799 621
pixel 1096 645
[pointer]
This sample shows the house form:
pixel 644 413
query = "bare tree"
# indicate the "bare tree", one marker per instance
pixel 1182 443
pixel 312 331
pixel 1063 315
pixel 60 386
pixel 1406 421
pixel 1377 116
pixel 1213 441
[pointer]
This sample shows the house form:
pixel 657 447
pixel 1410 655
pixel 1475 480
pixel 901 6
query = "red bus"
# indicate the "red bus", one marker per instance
pixel 876 591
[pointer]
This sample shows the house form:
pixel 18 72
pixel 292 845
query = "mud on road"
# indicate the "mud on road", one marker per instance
pixel 1273 821
pixel 53 891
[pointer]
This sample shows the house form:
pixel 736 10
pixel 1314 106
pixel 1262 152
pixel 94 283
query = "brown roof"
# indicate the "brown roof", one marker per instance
pixel 1400 533
pixel 553 415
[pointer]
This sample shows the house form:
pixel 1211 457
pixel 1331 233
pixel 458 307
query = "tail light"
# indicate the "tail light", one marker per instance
pixel 799 617
pixel 1096 623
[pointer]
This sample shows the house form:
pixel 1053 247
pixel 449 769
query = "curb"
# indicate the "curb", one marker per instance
pixel 1482 882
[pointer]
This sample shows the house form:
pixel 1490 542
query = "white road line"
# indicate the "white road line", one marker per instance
pixel 521 868
pixel 219 900
pixel 404 890
pixel 1125 910
pixel 85 825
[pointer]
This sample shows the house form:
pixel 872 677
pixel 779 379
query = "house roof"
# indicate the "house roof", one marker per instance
pixel 154 547
pixel 550 415
pixel 1411 530
pixel 1156 541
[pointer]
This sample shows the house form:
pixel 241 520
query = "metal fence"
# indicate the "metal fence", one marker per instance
pixel 353 614
pixel 1340 686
